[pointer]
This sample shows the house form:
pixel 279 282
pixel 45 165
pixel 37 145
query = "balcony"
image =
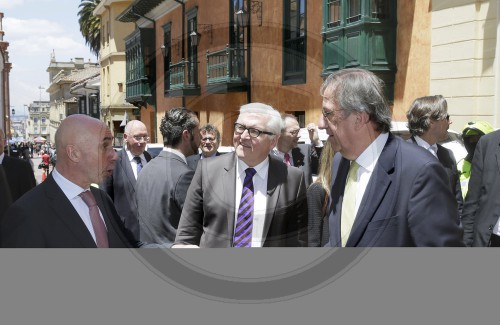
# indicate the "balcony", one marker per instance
pixel 138 90
pixel 183 80
pixel 226 71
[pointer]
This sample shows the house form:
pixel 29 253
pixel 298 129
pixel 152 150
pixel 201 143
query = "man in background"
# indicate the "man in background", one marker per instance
pixel 120 186
pixel 209 143
pixel 303 156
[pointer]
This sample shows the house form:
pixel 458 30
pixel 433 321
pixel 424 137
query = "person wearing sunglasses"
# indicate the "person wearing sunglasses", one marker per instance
pixel 210 142
pixel 246 198
pixel 428 122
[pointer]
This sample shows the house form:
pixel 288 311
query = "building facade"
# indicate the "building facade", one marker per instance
pixel 39 120
pixel 5 67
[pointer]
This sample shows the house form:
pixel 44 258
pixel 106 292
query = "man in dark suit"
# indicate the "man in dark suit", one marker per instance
pixel 6 200
pixel 209 143
pixel 19 173
pixel 162 185
pixel 62 212
pixel 482 206
pixel 246 199
pixel 386 192
pixel 121 185
pixel 428 122
pixel 303 156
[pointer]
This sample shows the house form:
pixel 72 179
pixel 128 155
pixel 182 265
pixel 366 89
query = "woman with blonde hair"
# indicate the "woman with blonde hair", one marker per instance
pixel 318 195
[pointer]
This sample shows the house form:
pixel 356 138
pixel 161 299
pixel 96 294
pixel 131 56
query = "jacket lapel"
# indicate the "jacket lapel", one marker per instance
pixel 229 190
pixel 275 177
pixel 340 170
pixel 127 168
pixel 298 157
pixel 64 210
pixel 376 191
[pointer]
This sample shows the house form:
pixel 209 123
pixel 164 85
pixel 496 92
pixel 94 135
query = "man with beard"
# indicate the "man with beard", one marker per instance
pixel 303 156
pixel 65 211
pixel 163 183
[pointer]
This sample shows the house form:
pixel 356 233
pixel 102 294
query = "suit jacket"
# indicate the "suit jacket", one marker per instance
pixel 447 159
pixel 45 218
pixel 482 203
pixel 306 158
pixel 407 201
pixel 6 199
pixel 193 160
pixel 120 186
pixel 161 190
pixel 20 176
pixel 209 211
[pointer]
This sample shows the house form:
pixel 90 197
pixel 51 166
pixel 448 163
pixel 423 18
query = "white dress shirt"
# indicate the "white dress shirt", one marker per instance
pixel 260 198
pixel 422 143
pixel 72 192
pixel 367 162
pixel 133 163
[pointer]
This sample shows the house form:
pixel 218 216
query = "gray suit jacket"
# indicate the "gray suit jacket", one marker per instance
pixel 161 190
pixel 407 201
pixel 120 186
pixel 209 211
pixel 482 203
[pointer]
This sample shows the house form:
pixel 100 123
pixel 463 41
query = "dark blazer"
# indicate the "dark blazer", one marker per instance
pixel 120 186
pixel 161 190
pixel 407 201
pixel 209 210
pixel 192 160
pixel 306 158
pixel 45 218
pixel 20 176
pixel 5 198
pixel 317 215
pixel 482 203
pixel 447 159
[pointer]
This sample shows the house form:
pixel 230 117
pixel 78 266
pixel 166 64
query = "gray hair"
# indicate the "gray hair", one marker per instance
pixel 359 91
pixel 209 128
pixel 286 116
pixel 274 125
pixel 423 110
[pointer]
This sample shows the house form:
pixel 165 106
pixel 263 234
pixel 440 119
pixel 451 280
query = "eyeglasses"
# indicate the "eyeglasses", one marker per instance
pixel 209 139
pixel 294 132
pixel 141 137
pixel 254 133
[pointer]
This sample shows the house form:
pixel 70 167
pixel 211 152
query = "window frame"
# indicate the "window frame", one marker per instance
pixel 295 54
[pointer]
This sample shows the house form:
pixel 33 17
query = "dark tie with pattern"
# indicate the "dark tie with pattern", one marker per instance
pixel 287 159
pixel 243 231
pixel 101 235
pixel 139 164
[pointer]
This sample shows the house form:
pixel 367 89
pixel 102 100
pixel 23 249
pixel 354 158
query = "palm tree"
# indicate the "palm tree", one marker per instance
pixel 90 25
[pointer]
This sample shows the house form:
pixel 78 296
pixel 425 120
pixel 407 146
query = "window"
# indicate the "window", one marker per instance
pixel 35 120
pixel 294 42
pixel 43 120
pixel 361 33
pixel 167 42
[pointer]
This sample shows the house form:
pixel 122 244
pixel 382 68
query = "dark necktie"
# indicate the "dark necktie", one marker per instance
pixel 139 164
pixel 243 231
pixel 101 235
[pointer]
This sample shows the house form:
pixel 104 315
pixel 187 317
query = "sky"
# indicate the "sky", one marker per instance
pixel 33 28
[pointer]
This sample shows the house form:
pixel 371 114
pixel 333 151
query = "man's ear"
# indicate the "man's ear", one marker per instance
pixel 186 135
pixel 73 153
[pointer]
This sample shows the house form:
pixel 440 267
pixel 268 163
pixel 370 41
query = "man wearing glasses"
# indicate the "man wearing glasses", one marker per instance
pixel 303 156
pixel 121 184
pixel 210 141
pixel 385 191
pixel 245 198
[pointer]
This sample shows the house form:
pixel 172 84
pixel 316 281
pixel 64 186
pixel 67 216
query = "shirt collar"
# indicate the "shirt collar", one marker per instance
pixel 176 152
pixel 368 158
pixel 70 189
pixel 131 156
pixel 421 142
pixel 261 169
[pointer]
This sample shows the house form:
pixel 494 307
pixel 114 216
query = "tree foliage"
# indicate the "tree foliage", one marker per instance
pixel 90 25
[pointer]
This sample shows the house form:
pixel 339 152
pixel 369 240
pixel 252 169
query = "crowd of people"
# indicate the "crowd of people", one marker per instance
pixel 371 188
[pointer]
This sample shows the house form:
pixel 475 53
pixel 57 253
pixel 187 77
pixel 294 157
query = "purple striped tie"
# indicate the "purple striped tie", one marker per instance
pixel 243 231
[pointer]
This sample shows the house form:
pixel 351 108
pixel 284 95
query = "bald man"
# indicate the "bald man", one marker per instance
pixel 121 184
pixel 61 212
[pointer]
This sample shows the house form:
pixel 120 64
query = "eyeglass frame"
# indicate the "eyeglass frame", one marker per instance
pixel 294 132
pixel 250 130
pixel 210 139
pixel 141 138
